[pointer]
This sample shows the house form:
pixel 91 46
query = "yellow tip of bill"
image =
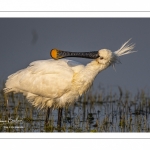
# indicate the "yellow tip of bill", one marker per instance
pixel 54 53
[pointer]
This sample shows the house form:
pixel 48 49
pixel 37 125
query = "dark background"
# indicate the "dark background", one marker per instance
pixel 23 40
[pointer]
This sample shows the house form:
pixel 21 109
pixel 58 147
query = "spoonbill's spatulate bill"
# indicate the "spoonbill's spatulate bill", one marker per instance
pixel 58 54
pixel 59 83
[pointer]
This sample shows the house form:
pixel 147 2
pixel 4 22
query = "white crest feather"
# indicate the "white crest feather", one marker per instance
pixel 126 48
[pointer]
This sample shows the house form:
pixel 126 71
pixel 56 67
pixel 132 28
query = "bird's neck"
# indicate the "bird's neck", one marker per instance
pixel 84 79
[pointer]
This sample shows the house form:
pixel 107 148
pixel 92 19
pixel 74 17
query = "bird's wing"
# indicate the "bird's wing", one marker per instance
pixel 47 78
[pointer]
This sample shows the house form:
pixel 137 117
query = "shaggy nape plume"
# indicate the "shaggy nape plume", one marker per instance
pixel 126 48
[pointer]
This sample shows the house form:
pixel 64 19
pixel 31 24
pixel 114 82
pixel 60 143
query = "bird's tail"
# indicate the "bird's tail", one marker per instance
pixel 126 48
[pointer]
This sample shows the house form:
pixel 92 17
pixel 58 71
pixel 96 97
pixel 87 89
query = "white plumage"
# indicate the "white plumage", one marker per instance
pixel 59 83
pixel 46 83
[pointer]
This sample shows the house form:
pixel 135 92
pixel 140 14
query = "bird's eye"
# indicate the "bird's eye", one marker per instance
pixel 101 58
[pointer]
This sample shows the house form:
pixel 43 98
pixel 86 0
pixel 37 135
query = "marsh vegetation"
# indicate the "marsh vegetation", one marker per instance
pixel 103 111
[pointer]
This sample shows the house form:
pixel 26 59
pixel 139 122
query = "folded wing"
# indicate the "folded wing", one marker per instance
pixel 45 78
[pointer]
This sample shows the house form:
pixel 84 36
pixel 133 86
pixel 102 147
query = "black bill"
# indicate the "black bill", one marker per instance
pixel 58 54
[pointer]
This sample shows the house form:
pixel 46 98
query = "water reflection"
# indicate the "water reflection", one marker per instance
pixel 92 113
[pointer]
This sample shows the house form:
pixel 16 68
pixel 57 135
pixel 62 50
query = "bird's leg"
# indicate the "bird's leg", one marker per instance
pixel 47 116
pixel 59 119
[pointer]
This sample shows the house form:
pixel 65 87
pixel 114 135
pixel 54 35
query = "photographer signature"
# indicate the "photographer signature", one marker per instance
pixel 10 120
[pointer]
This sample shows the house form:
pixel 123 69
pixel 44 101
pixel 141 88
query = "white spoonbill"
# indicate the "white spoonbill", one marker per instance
pixel 57 83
